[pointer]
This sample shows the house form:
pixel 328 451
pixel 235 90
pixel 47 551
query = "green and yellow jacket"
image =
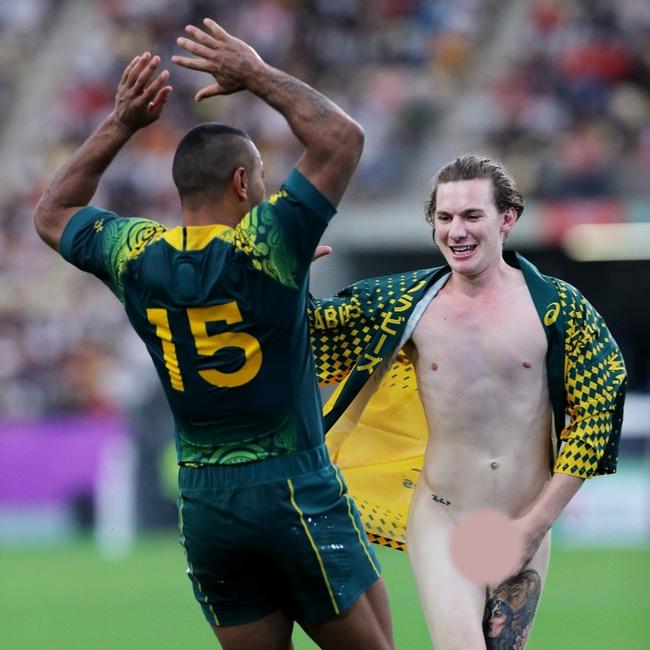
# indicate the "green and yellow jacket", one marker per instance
pixel 376 426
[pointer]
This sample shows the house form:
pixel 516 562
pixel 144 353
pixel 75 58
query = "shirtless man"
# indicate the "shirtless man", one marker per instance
pixel 479 351
pixel 519 398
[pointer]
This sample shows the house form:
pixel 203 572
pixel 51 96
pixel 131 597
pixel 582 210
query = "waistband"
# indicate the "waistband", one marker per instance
pixel 219 477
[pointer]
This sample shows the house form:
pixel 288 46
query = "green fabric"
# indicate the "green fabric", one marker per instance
pixel 586 373
pixel 222 313
pixel 261 538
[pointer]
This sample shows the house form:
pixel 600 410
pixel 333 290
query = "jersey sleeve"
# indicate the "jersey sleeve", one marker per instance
pixel 100 242
pixel 281 234
pixel 594 382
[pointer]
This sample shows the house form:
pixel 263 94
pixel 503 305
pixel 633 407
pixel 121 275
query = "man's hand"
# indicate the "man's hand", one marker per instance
pixel 333 141
pixel 538 521
pixel 532 533
pixel 140 101
pixel 230 61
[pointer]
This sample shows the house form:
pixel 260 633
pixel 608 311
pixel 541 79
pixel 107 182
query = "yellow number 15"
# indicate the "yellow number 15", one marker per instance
pixel 207 345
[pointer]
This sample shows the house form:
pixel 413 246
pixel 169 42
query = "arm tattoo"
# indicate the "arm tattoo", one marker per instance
pixel 510 610
pixel 295 87
pixel 437 499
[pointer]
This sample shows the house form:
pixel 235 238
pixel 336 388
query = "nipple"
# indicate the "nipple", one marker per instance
pixel 434 366
pixel 527 364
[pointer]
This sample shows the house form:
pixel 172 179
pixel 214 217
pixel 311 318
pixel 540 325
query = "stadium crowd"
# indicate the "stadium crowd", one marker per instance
pixel 568 116
pixel 20 22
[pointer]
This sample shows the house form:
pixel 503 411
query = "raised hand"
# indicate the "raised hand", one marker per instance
pixel 140 101
pixel 333 141
pixel 229 60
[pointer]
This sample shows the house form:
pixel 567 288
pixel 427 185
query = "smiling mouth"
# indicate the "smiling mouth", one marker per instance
pixel 461 250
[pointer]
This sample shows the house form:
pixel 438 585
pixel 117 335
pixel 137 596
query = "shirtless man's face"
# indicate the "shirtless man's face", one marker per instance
pixel 469 229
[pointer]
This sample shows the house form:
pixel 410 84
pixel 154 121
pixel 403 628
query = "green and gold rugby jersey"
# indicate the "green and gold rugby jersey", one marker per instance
pixel 222 312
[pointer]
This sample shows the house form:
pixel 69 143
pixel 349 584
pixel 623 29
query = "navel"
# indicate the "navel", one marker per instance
pixel 494 464
pixel 434 366
pixel 527 364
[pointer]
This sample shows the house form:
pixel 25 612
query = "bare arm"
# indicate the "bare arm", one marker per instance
pixel 536 523
pixel 138 103
pixel 333 140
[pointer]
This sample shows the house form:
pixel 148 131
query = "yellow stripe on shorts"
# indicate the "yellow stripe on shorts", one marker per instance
pixel 313 545
pixel 189 564
pixel 354 523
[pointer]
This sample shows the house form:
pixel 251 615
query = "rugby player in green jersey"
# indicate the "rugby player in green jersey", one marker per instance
pixel 271 535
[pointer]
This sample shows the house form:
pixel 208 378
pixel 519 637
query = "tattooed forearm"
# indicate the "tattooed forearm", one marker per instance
pixel 510 610
pixel 299 90
pixel 437 499
pixel 333 141
pixel 319 106
pixel 314 119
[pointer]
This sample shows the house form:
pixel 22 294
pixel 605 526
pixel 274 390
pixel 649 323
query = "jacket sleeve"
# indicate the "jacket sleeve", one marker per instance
pixel 594 384
pixel 339 329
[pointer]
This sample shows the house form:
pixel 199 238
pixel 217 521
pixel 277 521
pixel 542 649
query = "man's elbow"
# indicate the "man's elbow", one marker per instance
pixel 346 153
pixel 40 217
pixel 44 223
pixel 355 139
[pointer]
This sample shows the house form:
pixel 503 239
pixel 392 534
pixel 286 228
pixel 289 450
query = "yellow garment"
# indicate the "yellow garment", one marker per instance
pixel 381 462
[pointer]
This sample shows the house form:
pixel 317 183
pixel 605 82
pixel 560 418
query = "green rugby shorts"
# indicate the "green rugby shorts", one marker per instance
pixel 281 533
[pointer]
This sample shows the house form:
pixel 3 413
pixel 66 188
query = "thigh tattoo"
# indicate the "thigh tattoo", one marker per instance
pixel 510 610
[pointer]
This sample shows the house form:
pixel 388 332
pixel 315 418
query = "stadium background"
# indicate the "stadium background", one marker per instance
pixel 558 90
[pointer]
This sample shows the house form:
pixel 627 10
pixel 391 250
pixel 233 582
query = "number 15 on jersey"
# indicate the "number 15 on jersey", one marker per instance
pixel 208 345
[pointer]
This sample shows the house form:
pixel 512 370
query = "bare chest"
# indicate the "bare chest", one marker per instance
pixel 459 341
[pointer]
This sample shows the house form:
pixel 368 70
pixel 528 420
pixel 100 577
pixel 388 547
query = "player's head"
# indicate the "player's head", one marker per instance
pixel 473 166
pixel 212 159
pixel 473 206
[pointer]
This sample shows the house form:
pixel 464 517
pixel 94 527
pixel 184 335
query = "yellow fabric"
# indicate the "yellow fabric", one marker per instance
pixel 594 384
pixel 381 462
pixel 196 237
